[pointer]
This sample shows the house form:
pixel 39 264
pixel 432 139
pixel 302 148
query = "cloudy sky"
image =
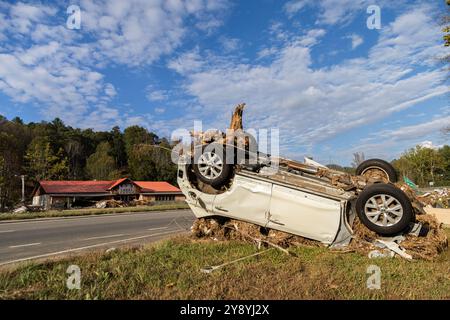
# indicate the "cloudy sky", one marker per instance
pixel 312 69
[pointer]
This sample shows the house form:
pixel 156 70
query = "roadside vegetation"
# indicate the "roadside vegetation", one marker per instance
pixel 171 270
pixel 91 211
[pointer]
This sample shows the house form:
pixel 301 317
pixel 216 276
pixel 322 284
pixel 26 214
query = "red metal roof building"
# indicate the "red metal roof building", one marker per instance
pixel 55 194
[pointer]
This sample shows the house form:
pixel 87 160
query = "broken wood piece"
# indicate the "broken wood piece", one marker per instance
pixel 209 269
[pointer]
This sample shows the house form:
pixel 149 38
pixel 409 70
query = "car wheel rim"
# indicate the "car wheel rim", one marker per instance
pixel 210 165
pixel 383 210
pixel 375 171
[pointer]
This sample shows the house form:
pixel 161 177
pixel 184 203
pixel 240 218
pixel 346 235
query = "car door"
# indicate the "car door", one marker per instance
pixel 248 199
pixel 304 214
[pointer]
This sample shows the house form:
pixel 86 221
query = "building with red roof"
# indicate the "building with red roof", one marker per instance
pixel 66 194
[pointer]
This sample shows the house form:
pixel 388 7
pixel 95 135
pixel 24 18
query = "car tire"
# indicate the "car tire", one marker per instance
pixel 384 166
pixel 210 165
pixel 385 209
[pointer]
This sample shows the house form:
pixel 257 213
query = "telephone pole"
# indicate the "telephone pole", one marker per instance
pixel 23 188
pixel 22 177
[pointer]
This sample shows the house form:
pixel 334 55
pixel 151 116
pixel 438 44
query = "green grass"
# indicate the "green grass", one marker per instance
pixel 171 270
pixel 91 211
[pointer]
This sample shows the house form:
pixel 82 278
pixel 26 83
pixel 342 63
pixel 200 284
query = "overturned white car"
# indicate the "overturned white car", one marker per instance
pixel 305 199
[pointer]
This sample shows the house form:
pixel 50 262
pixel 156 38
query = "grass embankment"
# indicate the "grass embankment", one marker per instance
pixel 171 270
pixel 91 211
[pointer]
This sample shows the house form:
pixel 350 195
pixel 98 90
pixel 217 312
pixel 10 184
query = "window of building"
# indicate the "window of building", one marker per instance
pixel 165 198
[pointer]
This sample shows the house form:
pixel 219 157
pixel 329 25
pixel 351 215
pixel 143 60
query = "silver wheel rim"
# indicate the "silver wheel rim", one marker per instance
pixel 383 210
pixel 210 165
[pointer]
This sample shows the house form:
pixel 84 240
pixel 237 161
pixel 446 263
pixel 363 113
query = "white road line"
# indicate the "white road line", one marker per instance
pixel 104 215
pixel 86 247
pixel 104 237
pixel 25 245
pixel 7 231
pixel 151 229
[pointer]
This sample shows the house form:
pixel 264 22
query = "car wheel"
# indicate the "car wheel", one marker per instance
pixel 377 168
pixel 210 165
pixel 384 209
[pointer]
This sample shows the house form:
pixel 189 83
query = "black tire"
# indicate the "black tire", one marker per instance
pixel 382 165
pixel 376 192
pixel 217 151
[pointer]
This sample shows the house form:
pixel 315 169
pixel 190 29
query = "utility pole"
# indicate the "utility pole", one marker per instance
pixel 23 188
pixel 22 177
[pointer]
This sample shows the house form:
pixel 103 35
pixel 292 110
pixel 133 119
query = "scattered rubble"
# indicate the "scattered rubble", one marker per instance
pixel 427 246
pixel 21 209
pixel 438 198
pixel 110 204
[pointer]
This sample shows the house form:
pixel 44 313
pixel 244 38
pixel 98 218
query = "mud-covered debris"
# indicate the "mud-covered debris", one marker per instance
pixel 426 247
pixel 438 198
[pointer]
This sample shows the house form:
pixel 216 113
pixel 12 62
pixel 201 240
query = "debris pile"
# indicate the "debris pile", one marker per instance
pixel 110 204
pixel 438 198
pixel 223 229
pixel 425 246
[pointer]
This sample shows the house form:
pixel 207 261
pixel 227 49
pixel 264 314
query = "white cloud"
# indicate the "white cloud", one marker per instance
pixel 417 130
pixel 24 15
pixel 43 63
pixel 110 91
pixel 311 105
pixel 267 52
pixel 294 6
pixel 160 110
pixel 187 62
pixel 333 12
pixel 229 44
pixel 139 32
pixel 356 40
pixel 430 145
pixel 389 144
pixel 153 94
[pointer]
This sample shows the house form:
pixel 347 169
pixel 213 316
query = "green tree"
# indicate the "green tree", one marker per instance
pixel 14 138
pixel 101 165
pixel 445 154
pixel 118 147
pixel 151 162
pixel 422 165
pixel 43 163
pixel 136 135
pixel 2 181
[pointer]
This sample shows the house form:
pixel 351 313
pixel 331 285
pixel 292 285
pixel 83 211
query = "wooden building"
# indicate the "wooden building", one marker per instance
pixel 66 194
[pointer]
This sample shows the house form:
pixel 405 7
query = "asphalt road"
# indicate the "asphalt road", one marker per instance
pixel 44 238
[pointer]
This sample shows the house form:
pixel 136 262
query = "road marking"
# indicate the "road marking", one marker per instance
pixel 25 245
pixel 86 247
pixel 104 237
pixel 7 231
pixel 103 215
pixel 151 229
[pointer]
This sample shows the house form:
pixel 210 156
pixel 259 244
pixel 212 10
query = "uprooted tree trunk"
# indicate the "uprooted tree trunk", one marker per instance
pixel 236 119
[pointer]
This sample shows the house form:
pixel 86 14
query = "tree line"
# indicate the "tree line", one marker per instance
pixel 424 165
pixel 55 151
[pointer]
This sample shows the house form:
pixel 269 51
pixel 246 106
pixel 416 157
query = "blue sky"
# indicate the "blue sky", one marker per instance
pixel 312 69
